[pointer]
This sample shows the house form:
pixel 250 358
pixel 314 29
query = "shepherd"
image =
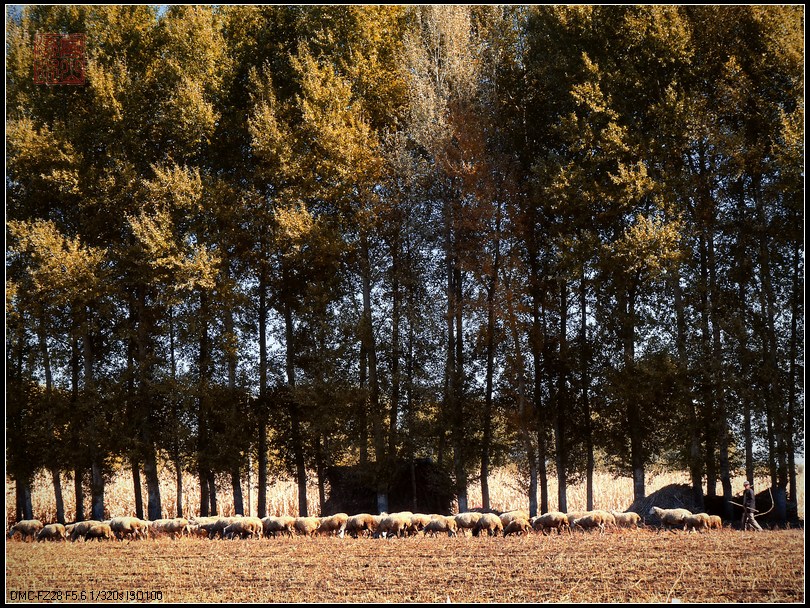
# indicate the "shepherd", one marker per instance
pixel 749 522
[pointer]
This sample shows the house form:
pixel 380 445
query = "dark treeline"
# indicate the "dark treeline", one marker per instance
pixel 290 237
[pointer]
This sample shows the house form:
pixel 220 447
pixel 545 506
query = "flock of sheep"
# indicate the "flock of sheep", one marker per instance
pixel 386 525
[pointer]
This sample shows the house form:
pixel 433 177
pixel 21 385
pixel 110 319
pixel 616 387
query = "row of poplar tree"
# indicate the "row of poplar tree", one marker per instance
pixel 300 236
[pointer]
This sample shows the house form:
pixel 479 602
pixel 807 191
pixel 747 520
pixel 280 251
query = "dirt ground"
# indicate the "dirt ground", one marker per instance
pixel 625 566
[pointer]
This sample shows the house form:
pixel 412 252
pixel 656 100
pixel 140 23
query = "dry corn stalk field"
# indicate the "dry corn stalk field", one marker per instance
pixel 641 566
pixel 625 566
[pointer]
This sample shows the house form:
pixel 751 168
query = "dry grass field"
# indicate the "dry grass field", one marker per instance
pixel 627 566
pixel 636 566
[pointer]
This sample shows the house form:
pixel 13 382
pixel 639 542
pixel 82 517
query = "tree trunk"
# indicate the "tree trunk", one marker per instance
pixel 562 403
pixel 795 311
pixel 78 489
pixel 695 461
pixel 367 336
pixel 585 388
pixel 57 493
pixel 96 491
pixel 295 416
pixel 236 484
pixel 136 486
pixel 262 402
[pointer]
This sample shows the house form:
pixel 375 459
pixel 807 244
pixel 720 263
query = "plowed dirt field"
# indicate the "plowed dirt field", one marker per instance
pixel 625 566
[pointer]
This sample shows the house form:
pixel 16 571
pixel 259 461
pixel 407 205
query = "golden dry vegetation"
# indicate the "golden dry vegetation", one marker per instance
pixel 506 493
pixel 625 566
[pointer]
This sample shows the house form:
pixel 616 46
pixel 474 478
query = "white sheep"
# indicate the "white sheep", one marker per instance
pixel 513 515
pixel 307 526
pixel 80 529
pixel 715 523
pixel 589 521
pixel 244 527
pixel 52 532
pixel 278 525
pixel 417 523
pixel 441 523
pixel 333 524
pixel 671 518
pixel 698 521
pixel 488 522
pixel 467 520
pixel 101 531
pixel 174 527
pixel 394 524
pixel 362 522
pixel 129 527
pixel 630 519
pixel 27 528
pixel 517 526
pixel 551 520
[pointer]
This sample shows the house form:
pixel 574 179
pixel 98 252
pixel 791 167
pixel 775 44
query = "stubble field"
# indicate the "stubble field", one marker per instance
pixel 621 566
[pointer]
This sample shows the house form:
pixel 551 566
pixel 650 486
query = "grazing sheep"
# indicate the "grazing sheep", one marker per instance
pixel 715 523
pixel 417 523
pixel 27 528
pixel 517 526
pixel 334 524
pixel 552 520
pixel 244 527
pixel 79 529
pixel 441 523
pixel 175 527
pixel 488 522
pixel 594 519
pixel 467 521
pixel 278 525
pixel 671 518
pixel 129 527
pixel 307 526
pixel 698 521
pixel 52 532
pixel 394 524
pixel 513 515
pixel 362 522
pixel 572 515
pixel 101 531
pixel 629 519
pixel 217 526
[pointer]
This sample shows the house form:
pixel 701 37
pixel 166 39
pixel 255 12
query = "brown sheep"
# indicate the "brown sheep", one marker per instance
pixel 715 523
pixel 488 522
pixel 26 528
pixel 52 532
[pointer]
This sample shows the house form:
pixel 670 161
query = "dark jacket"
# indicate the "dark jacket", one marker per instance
pixel 749 501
